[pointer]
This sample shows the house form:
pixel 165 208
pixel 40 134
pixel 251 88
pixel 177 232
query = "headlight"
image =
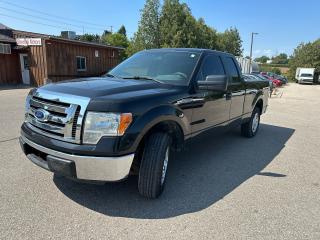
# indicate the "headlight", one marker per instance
pixel 98 124
pixel 27 103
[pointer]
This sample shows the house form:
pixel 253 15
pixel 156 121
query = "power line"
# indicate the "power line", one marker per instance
pixel 48 19
pixel 31 21
pixel 30 15
pixel 68 24
pixel 52 15
pixel 43 24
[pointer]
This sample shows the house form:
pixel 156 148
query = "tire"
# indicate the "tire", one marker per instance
pixel 154 163
pixel 251 128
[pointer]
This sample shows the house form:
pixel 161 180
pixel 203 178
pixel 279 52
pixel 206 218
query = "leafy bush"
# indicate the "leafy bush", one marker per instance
pixel 305 55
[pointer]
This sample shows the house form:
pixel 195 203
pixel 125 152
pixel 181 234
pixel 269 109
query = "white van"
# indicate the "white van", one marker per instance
pixel 305 75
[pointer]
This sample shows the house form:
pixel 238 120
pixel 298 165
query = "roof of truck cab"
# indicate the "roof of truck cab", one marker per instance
pixel 199 50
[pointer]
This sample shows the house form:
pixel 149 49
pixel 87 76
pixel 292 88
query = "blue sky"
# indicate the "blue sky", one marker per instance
pixel 281 25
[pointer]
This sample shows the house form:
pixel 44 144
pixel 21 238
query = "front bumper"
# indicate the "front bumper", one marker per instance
pixel 306 80
pixel 78 166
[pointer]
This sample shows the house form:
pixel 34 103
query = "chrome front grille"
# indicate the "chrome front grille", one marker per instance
pixel 64 115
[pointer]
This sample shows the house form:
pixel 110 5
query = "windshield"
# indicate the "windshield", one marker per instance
pixel 306 75
pixel 172 67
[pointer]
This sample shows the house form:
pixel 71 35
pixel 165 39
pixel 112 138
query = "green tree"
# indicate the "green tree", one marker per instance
pixel 178 28
pixel 282 58
pixel 122 30
pixel 90 37
pixel 262 59
pixel 305 55
pixel 106 32
pixel 118 40
pixel 230 41
pixel 206 36
pixel 276 71
pixel 148 35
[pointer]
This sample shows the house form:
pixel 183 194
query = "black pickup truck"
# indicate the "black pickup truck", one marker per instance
pixel 128 121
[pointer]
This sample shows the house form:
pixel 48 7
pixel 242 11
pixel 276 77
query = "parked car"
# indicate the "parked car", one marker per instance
pixel 104 128
pixel 305 75
pixel 275 81
pixel 247 77
pixel 283 79
pixel 263 78
pixel 278 77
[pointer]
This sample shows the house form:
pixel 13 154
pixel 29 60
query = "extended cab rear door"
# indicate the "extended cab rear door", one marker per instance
pixel 216 107
pixel 236 87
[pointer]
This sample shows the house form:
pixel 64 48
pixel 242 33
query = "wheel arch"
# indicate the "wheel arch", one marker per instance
pixel 164 118
pixel 171 127
pixel 259 104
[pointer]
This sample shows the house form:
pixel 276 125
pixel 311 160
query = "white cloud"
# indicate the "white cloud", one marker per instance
pixel 267 52
pixel 261 52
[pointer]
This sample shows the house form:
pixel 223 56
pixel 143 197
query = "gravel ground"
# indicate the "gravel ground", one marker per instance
pixel 222 186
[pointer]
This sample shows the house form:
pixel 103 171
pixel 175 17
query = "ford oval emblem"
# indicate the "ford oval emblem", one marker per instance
pixel 41 115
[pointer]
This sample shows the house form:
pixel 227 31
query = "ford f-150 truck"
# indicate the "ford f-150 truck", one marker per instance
pixel 129 120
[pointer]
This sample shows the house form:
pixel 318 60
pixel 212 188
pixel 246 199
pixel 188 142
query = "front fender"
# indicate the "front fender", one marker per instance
pixel 142 124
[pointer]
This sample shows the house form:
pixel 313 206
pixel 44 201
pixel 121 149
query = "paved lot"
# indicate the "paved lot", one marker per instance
pixel 222 186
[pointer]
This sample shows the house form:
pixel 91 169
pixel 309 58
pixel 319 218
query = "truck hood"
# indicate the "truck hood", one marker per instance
pixel 105 86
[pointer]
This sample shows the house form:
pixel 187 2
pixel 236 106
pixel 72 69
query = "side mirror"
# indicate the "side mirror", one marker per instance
pixel 214 83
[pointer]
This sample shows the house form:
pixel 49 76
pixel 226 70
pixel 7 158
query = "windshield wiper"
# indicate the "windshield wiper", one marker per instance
pixel 143 78
pixel 111 75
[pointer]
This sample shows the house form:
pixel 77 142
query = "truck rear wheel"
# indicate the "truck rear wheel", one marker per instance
pixel 251 128
pixel 154 164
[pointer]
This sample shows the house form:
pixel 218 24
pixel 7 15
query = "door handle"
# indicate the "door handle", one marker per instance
pixel 228 96
pixel 189 100
pixel 252 91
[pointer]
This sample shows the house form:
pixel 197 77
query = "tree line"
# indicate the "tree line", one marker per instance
pixel 282 58
pixel 304 55
pixel 171 25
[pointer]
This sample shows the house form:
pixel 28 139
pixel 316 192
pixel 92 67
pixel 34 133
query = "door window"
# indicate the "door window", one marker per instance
pixel 232 70
pixel 25 62
pixel 211 65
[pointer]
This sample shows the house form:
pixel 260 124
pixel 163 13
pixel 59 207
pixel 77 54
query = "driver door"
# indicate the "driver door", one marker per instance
pixel 216 105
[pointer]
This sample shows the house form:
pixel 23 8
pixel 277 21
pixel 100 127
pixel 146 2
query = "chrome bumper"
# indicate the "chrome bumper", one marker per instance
pixel 89 167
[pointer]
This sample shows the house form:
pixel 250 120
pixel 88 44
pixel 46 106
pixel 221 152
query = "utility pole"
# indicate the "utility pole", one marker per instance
pixel 253 33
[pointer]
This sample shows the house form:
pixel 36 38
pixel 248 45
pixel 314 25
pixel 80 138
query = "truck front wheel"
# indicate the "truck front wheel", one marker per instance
pixel 154 164
pixel 251 128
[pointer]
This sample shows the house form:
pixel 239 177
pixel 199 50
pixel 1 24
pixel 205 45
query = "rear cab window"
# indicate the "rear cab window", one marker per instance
pixel 232 69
